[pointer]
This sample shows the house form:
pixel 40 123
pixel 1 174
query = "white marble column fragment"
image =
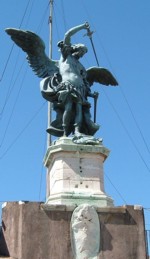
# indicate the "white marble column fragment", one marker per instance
pixel 85 232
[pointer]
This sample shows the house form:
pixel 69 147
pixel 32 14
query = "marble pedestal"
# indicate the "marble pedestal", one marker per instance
pixel 75 174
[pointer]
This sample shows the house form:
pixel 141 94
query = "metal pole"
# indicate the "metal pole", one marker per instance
pixel 50 28
pixel 49 139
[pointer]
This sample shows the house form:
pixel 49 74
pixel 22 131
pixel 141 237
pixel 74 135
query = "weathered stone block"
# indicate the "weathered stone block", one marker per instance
pixel 40 231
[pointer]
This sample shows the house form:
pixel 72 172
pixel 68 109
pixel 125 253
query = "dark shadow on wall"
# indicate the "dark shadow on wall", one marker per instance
pixel 3 246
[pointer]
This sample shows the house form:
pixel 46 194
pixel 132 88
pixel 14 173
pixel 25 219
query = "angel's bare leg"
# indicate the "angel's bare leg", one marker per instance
pixel 67 116
pixel 78 118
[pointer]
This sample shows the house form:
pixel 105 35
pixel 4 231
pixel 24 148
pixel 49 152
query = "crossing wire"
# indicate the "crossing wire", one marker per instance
pixel 116 189
pixel 11 86
pixel 64 16
pixel 56 26
pixel 22 131
pixel 127 103
pixel 12 111
pixel 42 19
pixel 61 13
pixel 7 61
pixel 11 50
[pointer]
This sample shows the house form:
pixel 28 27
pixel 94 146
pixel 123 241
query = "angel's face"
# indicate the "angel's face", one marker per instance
pixel 79 50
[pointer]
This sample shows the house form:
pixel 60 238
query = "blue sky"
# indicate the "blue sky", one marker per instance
pixel 122 40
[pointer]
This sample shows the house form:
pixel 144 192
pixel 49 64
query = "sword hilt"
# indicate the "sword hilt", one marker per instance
pixel 89 32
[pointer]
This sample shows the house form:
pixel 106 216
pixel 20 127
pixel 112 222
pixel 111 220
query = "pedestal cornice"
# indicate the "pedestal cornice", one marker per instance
pixel 66 144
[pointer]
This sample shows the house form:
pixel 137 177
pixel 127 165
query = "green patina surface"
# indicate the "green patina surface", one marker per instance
pixel 75 199
pixel 66 144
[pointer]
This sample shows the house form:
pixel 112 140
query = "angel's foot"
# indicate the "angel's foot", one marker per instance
pixel 77 132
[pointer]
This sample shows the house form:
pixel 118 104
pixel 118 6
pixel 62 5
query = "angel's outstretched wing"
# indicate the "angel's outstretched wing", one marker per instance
pixel 34 46
pixel 100 75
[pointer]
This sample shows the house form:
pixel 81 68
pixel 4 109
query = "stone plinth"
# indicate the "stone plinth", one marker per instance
pixel 39 231
pixel 75 174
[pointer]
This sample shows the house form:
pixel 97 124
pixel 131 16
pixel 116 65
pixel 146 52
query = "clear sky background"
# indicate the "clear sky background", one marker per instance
pixel 122 43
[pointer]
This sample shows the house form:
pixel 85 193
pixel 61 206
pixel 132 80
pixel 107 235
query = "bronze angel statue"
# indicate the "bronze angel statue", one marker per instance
pixel 66 83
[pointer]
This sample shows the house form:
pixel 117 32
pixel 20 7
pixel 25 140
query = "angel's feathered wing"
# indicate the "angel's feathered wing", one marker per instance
pixel 34 46
pixel 100 75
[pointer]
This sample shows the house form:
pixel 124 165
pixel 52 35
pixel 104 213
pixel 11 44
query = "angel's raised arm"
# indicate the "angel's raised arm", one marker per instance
pixel 74 30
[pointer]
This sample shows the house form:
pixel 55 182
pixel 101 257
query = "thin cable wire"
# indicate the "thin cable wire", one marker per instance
pixel 28 18
pixel 24 14
pixel 60 11
pixel 64 16
pixel 135 121
pixel 10 53
pixel 101 44
pixel 7 61
pixel 127 132
pixel 56 25
pixel 11 86
pixel 12 111
pixel 44 16
pixel 127 103
pixel 116 189
pixel 22 131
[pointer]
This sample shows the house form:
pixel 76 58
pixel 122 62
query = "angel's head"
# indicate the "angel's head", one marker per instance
pixel 78 50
